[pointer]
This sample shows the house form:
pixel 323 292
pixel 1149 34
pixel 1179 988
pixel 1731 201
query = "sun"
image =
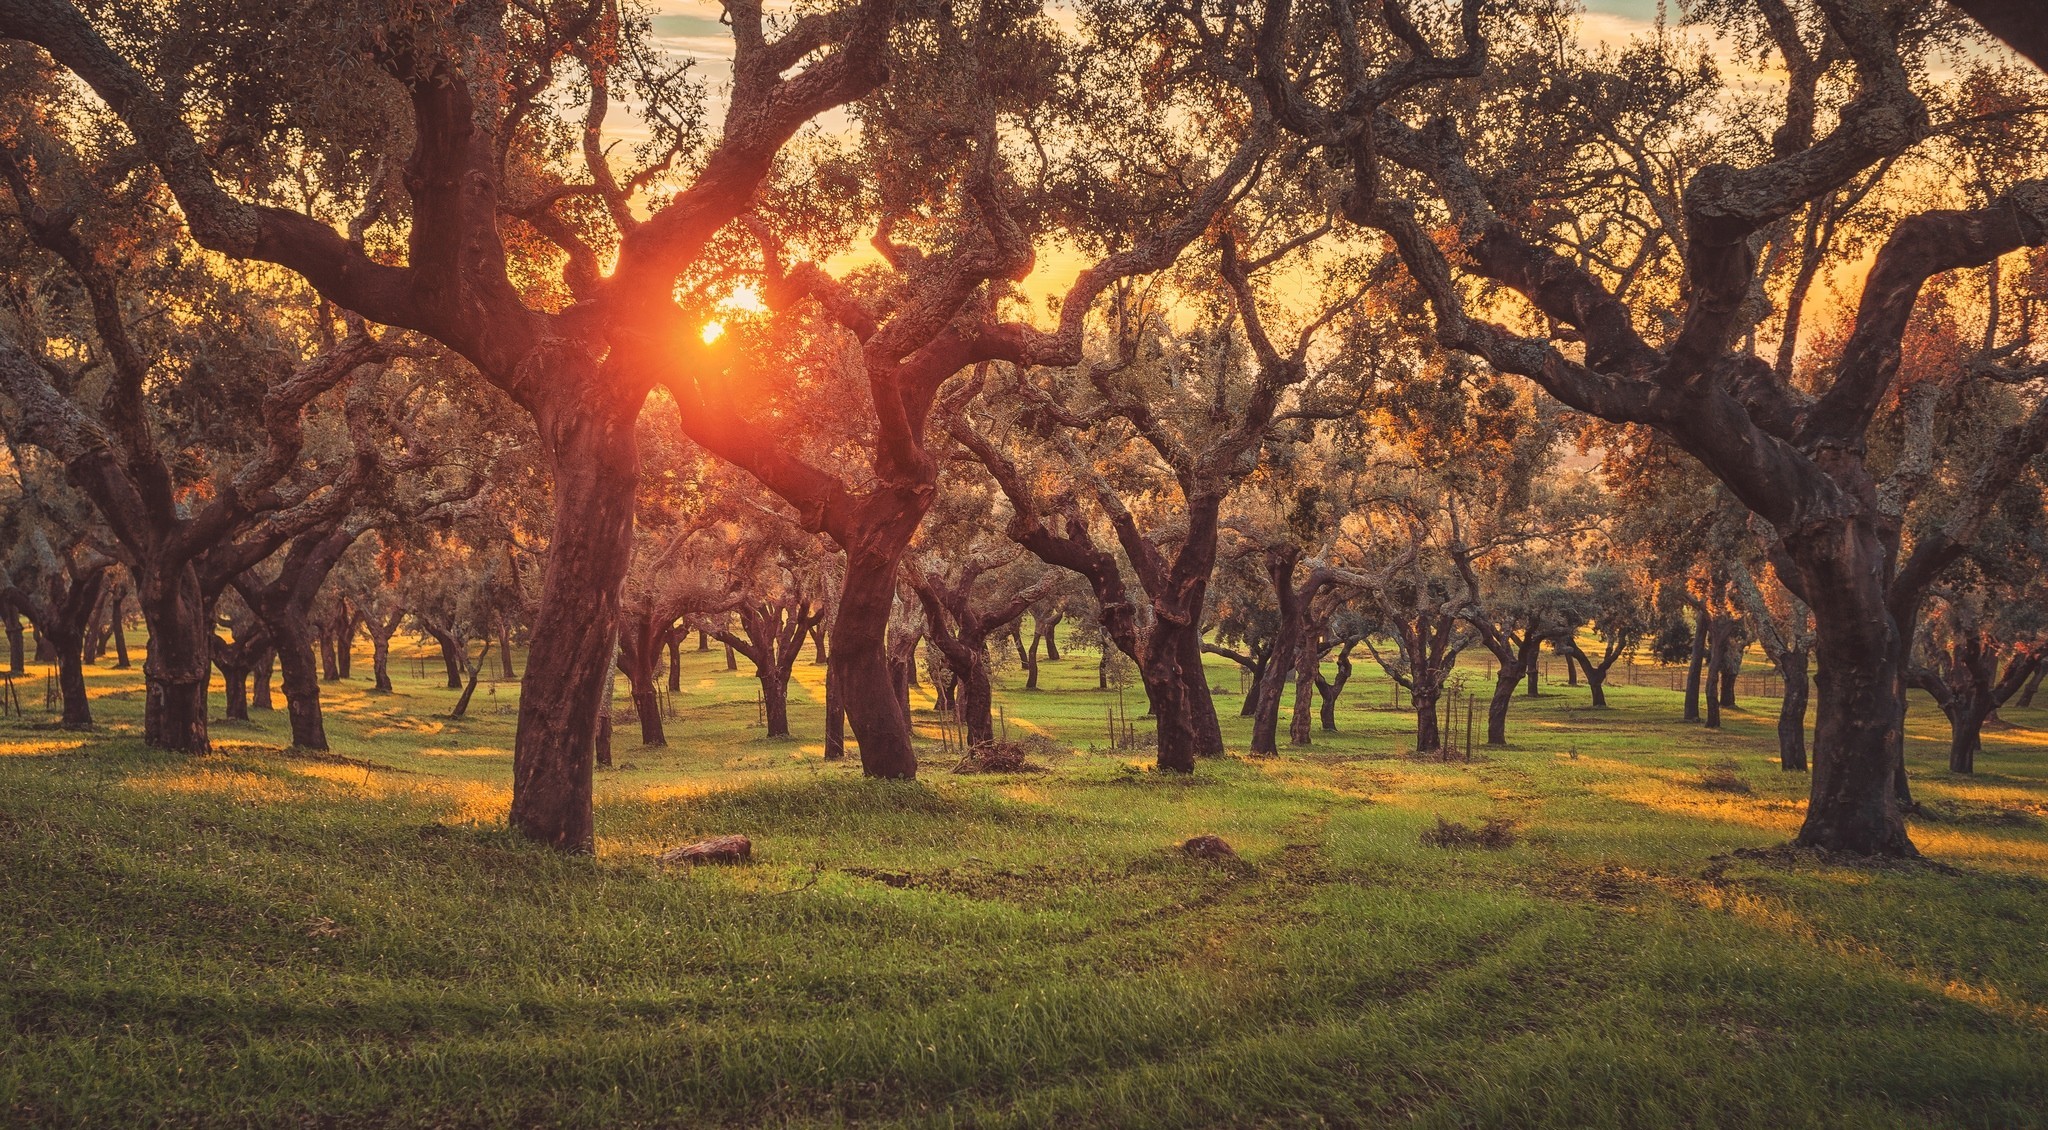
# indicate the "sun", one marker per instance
pixel 713 331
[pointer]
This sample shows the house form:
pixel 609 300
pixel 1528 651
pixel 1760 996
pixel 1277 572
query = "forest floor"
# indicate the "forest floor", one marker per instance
pixel 259 938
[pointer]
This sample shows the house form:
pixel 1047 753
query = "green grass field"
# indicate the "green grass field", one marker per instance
pixel 263 939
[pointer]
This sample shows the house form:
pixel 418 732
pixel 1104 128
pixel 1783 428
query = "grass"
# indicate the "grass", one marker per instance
pixel 263 939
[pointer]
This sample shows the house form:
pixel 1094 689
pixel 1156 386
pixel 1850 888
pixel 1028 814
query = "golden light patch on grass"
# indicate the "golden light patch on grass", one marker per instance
pixel 218 780
pixel 474 751
pixel 2003 853
pixel 40 747
pixel 1680 799
pixel 668 793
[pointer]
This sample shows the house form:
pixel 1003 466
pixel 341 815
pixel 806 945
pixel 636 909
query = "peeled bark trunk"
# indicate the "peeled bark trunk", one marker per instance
pixel 775 702
pixel 595 459
pixel 1792 713
pixel 1966 737
pixel 179 662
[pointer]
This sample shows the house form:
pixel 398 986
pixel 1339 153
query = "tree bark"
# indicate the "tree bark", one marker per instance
pixel 120 613
pixel 17 658
pixel 595 459
pixel 835 716
pixel 1792 712
pixel 299 676
pixel 1695 665
pixel 179 662
pixel 259 681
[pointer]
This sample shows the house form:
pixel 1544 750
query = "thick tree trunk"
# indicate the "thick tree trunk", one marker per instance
pixel 505 649
pixel 179 663
pixel 596 470
pixel 1712 695
pixel 647 706
pixel 1427 739
pixel 819 655
pixel 1966 735
pixel 732 659
pixel 300 677
pixel 703 641
pixel 1534 670
pixel 1854 803
pixel 877 707
pixel 675 663
pixel 1331 689
pixel 1731 668
pixel 1596 682
pixel 774 700
pixel 328 669
pixel 1027 656
pixel 1792 713
pixel 1052 645
pixel 1263 704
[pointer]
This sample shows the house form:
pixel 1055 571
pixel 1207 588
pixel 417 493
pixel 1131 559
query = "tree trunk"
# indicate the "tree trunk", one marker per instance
pixel 732 660
pixel 300 677
pixel 1330 689
pixel 1504 682
pixel 505 649
pixel 1854 801
pixel 774 700
pixel 1201 704
pixel 1305 677
pixel 1263 704
pixel 179 662
pixel 1052 646
pixel 977 702
pixel 1792 713
pixel 328 670
pixel 1028 656
pixel 1712 694
pixel 70 649
pixel 17 652
pixel 819 656
pixel 1596 682
pixel 675 663
pixel 1966 735
pixel 1731 668
pixel 476 671
pixel 454 657
pixel 236 680
pixel 345 644
pixel 121 661
pixel 1534 670
pixel 835 716
pixel 703 641
pixel 1427 739
pixel 595 460
pixel 1693 670
pixel 259 681
pixel 877 707
pixel 380 660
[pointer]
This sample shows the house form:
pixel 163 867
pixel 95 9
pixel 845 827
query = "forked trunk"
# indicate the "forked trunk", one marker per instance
pixel 596 470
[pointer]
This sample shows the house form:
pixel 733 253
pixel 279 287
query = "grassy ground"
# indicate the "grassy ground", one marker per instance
pixel 261 939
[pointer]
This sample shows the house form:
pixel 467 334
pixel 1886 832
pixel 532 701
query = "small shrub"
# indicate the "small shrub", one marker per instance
pixel 1724 776
pixel 1496 833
